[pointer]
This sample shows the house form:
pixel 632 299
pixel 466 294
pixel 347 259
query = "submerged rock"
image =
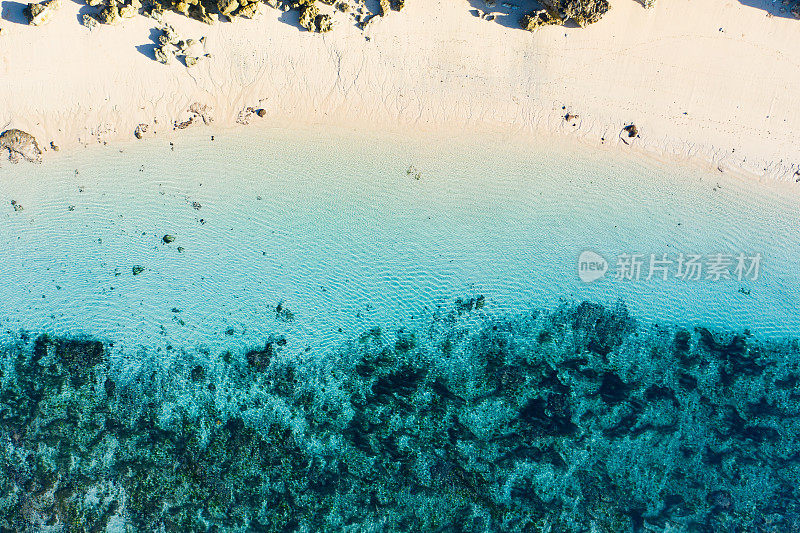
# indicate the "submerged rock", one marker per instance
pixel 38 14
pixel 20 145
pixel 259 358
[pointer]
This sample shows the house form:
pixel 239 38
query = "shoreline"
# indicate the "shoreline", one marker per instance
pixel 436 70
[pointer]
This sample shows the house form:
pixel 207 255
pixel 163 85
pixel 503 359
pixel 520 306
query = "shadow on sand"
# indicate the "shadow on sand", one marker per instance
pixel 12 12
pixel 773 9
pixel 505 13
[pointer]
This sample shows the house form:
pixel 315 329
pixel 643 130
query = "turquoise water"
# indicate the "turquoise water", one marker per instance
pixel 341 298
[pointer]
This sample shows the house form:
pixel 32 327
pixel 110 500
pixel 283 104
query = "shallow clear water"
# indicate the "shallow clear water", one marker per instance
pixel 379 333
pixel 335 227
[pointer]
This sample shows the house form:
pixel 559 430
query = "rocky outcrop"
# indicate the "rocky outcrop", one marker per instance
pixel 227 7
pixel 308 14
pixel 539 18
pixel 131 9
pixel 311 19
pixel 109 14
pixel 582 12
pixel 20 145
pixel 199 12
pixel 170 44
pixel 249 11
pixel 38 14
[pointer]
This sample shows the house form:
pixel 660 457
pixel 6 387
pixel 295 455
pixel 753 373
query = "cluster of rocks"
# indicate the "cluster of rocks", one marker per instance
pixel 170 45
pixel 20 146
pixel 363 16
pixel 310 16
pixel 582 12
pixel 197 112
pixel 111 12
pixel 209 11
pixel 247 113
pixel 311 19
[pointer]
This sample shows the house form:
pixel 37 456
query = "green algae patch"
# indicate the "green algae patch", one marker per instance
pixel 574 419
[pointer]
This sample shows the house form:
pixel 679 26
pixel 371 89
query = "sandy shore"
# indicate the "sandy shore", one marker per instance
pixel 702 79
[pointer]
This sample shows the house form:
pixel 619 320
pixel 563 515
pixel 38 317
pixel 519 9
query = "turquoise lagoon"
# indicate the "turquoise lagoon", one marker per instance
pixel 371 332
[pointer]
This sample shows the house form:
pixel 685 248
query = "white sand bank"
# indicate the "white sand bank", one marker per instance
pixel 707 79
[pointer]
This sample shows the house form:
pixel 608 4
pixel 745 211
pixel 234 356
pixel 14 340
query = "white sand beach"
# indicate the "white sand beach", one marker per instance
pixel 714 81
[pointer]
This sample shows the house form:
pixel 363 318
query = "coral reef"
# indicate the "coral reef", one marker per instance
pixel 575 419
